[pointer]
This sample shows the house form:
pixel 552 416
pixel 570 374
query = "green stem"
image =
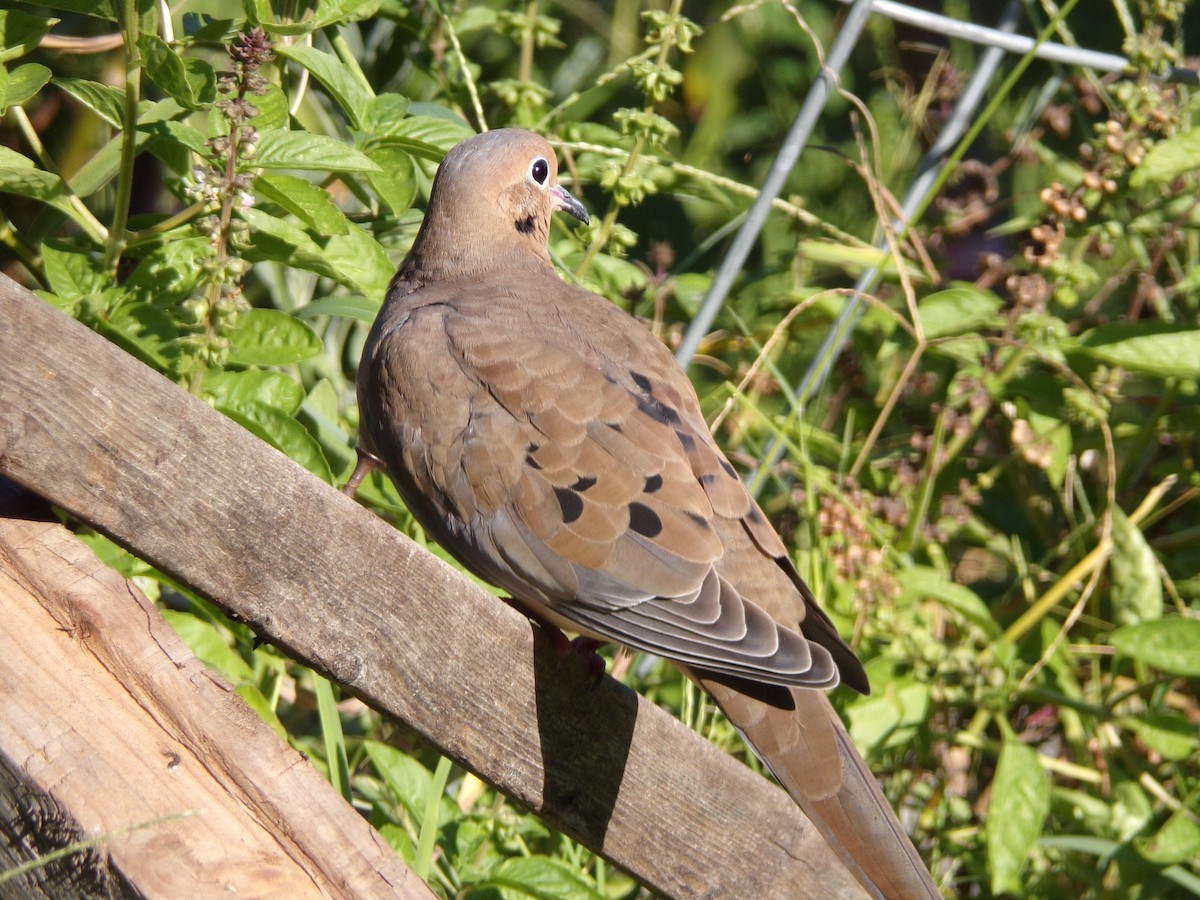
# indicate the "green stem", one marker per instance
pixel 525 72
pixel 610 217
pixel 127 13
pixel 346 55
pixel 180 218
pixel 83 216
pixel 426 841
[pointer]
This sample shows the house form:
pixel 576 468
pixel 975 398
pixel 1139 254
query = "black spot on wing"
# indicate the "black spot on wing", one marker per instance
pixel 729 469
pixel 688 442
pixel 641 381
pixel 653 483
pixel 570 503
pixel 699 520
pixel 659 412
pixel 644 520
pixel 529 460
pixel 583 483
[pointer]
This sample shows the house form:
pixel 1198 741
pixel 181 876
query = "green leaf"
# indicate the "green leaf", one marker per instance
pixel 181 134
pixel 1171 644
pixel 410 781
pixel 191 82
pixel 310 204
pixel 1137 594
pixel 71 273
pixel 959 309
pixel 268 337
pixel 171 272
pixel 1149 348
pixel 104 100
pixel 20 32
pixel 349 93
pixel 362 259
pixel 272 109
pixel 328 12
pixel 889 717
pixel 280 241
pixel 232 388
pixel 1167 160
pixel 1168 734
pixel 23 82
pixel 542 878
pixel 854 260
pixel 1178 841
pixel 347 306
pixel 426 136
pixel 210 646
pixel 283 433
pixel 20 175
pixel 145 331
pixel 1019 804
pixel 1132 809
pixel 919 582
pixel 384 111
pixel 334 737
pixel 300 150
pixel 256 701
pixel 396 180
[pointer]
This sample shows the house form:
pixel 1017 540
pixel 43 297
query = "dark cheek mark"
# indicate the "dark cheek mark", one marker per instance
pixel 525 225
pixel 653 483
pixel 644 520
pixel 570 503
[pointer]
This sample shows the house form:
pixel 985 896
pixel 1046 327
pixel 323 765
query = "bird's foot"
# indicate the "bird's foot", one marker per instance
pixel 366 462
pixel 581 647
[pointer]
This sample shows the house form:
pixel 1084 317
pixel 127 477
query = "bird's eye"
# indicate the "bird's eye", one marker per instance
pixel 539 170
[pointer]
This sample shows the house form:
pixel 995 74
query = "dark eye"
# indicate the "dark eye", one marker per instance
pixel 539 170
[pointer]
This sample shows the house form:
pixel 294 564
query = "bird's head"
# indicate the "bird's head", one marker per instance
pixel 491 204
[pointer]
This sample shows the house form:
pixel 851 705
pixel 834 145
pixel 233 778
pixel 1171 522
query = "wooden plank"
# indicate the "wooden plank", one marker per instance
pixel 129 452
pixel 111 727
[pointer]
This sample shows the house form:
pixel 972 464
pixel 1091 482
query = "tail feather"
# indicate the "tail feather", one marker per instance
pixel 808 750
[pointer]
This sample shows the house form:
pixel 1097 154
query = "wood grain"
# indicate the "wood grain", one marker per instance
pixel 111 727
pixel 127 451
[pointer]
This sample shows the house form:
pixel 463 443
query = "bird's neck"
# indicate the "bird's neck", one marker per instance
pixel 444 254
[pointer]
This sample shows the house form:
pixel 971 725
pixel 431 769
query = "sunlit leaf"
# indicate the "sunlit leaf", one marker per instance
pixel 1019 804
pixel 1171 644
pixel 268 337
pixel 299 150
pixel 1137 593
pixel 335 76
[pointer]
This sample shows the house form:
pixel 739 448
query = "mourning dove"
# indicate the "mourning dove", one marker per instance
pixel 552 445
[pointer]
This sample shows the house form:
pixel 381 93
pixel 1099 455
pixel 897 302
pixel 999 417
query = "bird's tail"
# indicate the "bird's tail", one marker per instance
pixel 808 750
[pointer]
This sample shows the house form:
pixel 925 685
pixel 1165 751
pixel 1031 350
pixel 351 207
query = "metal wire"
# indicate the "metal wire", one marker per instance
pixel 793 144
pixel 1014 43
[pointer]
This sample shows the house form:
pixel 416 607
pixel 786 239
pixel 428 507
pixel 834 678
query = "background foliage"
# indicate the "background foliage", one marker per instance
pixel 995 494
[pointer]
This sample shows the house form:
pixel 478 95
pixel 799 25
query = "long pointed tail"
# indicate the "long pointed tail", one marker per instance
pixel 809 751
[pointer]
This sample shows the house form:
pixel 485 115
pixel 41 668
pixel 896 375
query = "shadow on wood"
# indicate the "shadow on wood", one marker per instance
pixel 125 450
